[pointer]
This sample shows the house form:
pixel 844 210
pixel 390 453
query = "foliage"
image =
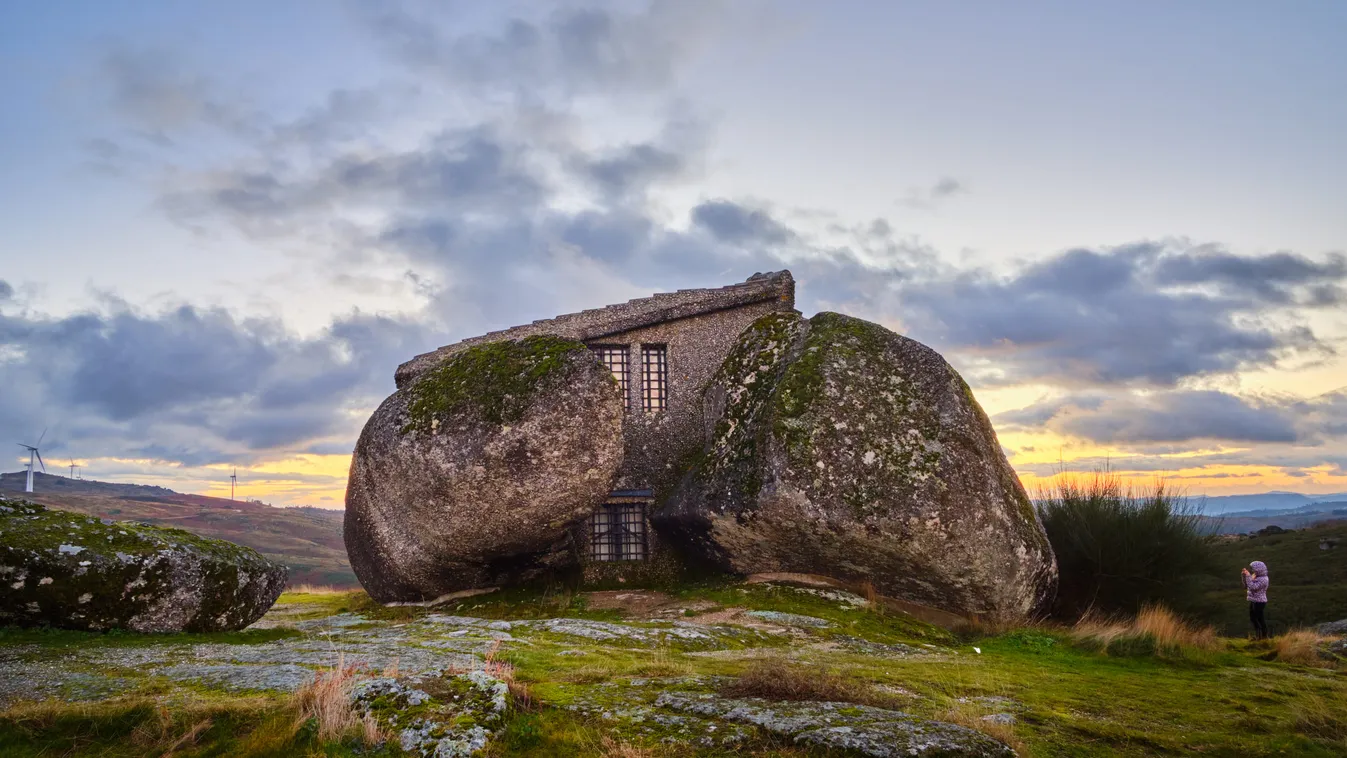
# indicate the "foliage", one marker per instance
pixel 1117 549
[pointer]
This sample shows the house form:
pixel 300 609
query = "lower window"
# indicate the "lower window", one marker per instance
pixel 617 532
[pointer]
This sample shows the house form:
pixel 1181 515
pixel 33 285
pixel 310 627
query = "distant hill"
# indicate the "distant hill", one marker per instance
pixel 308 540
pixel 1267 501
pixel 1244 522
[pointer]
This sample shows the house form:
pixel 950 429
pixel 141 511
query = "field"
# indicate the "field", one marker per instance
pixel 307 540
pixel 640 673
pixel 1309 584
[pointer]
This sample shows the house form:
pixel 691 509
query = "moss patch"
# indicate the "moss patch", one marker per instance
pixel 750 378
pixel 495 381
pixel 844 394
pixel 70 570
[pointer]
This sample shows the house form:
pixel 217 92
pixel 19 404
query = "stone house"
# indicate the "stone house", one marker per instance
pixel 662 351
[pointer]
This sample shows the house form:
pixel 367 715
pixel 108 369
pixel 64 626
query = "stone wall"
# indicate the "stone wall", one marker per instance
pixel 656 443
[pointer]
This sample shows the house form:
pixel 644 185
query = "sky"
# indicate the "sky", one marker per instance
pixel 224 224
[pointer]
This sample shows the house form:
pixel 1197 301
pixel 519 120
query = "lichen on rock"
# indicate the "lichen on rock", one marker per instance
pixel 846 450
pixel 446 715
pixel 72 571
pixel 475 474
pixel 862 729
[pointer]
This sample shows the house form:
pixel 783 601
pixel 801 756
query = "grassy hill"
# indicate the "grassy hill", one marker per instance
pixel 308 540
pixel 1309 585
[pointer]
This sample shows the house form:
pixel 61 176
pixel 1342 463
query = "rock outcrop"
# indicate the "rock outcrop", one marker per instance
pixel 1333 628
pixel 72 571
pixel 475 474
pixel 846 450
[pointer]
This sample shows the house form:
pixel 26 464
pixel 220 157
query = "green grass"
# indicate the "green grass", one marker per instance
pixel 63 638
pixel 1309 585
pixel 1071 699
pixel 133 728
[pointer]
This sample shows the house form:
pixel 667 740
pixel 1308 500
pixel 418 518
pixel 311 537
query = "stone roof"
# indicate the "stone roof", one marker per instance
pixel 634 314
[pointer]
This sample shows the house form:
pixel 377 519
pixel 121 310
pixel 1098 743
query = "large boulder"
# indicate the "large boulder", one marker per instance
pixel 73 571
pixel 475 474
pixel 846 450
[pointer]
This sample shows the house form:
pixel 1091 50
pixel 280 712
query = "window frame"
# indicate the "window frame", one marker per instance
pixel 654 377
pixel 617 532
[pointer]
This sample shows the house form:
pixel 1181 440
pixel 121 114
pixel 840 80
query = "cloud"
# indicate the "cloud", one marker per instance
pixel 195 386
pixel 1117 316
pixel 1278 278
pixel 571 51
pixel 154 92
pixel 508 207
pixel 6 291
pixel 926 198
pixel 739 225
pixel 1179 416
pixel 1191 429
pixel 454 172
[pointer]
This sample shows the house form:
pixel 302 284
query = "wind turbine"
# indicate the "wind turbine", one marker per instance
pixel 233 479
pixel 32 452
pixel 72 468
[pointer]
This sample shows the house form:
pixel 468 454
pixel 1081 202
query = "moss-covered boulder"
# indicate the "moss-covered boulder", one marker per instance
pixel 72 571
pixel 846 450
pixel 474 475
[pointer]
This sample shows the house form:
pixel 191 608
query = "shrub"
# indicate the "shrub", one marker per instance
pixel 1118 550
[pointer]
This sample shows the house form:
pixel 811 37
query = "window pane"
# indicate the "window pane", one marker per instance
pixel 617 532
pixel 617 359
pixel 654 377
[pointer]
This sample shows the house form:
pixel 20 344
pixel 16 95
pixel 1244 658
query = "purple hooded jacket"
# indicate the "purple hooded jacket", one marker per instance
pixel 1257 584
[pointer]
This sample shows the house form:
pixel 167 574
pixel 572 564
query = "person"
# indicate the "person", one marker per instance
pixel 1255 585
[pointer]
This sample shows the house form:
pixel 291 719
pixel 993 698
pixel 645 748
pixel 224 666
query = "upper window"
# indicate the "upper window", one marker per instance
pixel 618 361
pixel 654 377
pixel 617 532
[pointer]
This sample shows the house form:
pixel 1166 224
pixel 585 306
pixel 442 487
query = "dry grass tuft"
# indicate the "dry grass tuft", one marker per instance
pixel 977 627
pixel 972 716
pixel 592 673
pixel 327 700
pixel 662 663
pixel 872 599
pixel 1165 629
pixel 1323 717
pixel 1299 647
pixel 613 749
pixel 189 737
pixel 1169 629
pixel 775 679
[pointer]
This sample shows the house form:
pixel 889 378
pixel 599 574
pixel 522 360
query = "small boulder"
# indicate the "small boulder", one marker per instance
pixel 474 475
pixel 1333 628
pixel 72 571
pixel 846 450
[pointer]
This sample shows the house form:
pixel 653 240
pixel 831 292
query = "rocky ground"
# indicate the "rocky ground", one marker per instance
pixel 642 673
